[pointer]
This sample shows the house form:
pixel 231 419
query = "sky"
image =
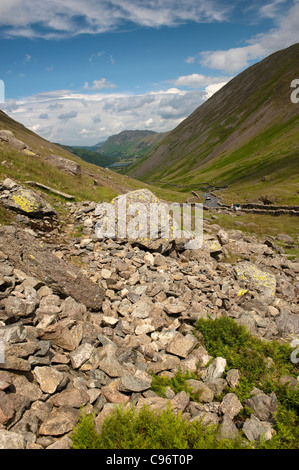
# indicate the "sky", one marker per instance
pixel 77 72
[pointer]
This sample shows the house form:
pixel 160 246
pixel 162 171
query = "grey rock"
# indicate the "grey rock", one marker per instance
pixel 206 418
pixel 254 429
pixel 59 422
pixel 231 405
pixel 63 443
pixel 65 164
pixel 130 383
pixel 73 397
pixel 181 345
pixel 81 354
pixel 30 255
pixel 227 429
pixel 233 377
pixel 12 333
pixel 109 363
pixel 217 385
pixel 216 369
pixel 48 378
pixel 205 393
pixel 263 406
pixel 11 440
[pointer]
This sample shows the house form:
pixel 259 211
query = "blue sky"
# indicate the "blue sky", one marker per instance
pixel 77 72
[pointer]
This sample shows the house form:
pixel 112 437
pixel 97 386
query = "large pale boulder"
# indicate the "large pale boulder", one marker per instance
pixel 9 138
pixel 140 217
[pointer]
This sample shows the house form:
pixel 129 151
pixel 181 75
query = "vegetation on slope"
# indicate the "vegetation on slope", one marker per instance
pixel 130 146
pixel 244 136
pixel 262 364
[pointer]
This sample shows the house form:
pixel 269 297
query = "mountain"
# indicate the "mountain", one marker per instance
pixel 129 146
pixel 91 156
pixel 245 136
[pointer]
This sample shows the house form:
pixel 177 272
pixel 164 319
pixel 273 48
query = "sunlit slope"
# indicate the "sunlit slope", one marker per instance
pixel 245 136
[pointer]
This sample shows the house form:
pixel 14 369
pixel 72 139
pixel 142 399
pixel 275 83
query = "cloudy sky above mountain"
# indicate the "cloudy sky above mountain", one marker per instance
pixel 77 72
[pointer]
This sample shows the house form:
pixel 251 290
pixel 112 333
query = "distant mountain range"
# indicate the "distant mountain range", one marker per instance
pixel 131 145
pixel 245 136
pixel 118 150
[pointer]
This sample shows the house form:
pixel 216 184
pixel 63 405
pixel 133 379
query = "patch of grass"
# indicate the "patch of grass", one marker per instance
pixel 224 337
pixel 6 217
pixel 148 429
pixel 178 383
pixel 78 232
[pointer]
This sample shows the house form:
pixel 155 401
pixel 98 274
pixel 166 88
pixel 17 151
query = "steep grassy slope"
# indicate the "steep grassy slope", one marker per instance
pixel 244 136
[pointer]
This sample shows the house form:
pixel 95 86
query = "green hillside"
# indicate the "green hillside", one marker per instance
pixel 130 146
pixel 245 136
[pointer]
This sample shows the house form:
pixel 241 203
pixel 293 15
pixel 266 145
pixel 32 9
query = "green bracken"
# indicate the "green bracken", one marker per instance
pixel 262 364
pixel 148 429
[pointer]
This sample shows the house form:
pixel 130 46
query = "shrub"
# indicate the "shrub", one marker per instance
pixel 224 337
pixel 148 429
pixel 178 384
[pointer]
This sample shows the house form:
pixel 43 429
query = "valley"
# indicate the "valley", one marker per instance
pixel 105 338
pixel 244 137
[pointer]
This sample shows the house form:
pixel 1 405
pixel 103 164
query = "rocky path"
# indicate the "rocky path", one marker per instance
pixel 130 312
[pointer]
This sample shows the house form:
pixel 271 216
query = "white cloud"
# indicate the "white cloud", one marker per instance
pixel 232 60
pixel 99 85
pixel 190 60
pixel 284 34
pixel 60 17
pixel 211 89
pixel 27 59
pixel 197 80
pixel 272 9
pixel 93 57
pixel 103 114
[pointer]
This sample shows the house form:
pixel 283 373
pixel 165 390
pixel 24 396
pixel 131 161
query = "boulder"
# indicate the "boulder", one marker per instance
pixel 216 369
pixel 254 429
pixel 64 164
pixel 181 345
pixel 263 406
pixel 263 281
pixel 9 138
pixel 231 405
pixel 48 378
pixel 11 440
pixel 32 257
pixel 138 216
pixel 25 201
pixel 60 421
